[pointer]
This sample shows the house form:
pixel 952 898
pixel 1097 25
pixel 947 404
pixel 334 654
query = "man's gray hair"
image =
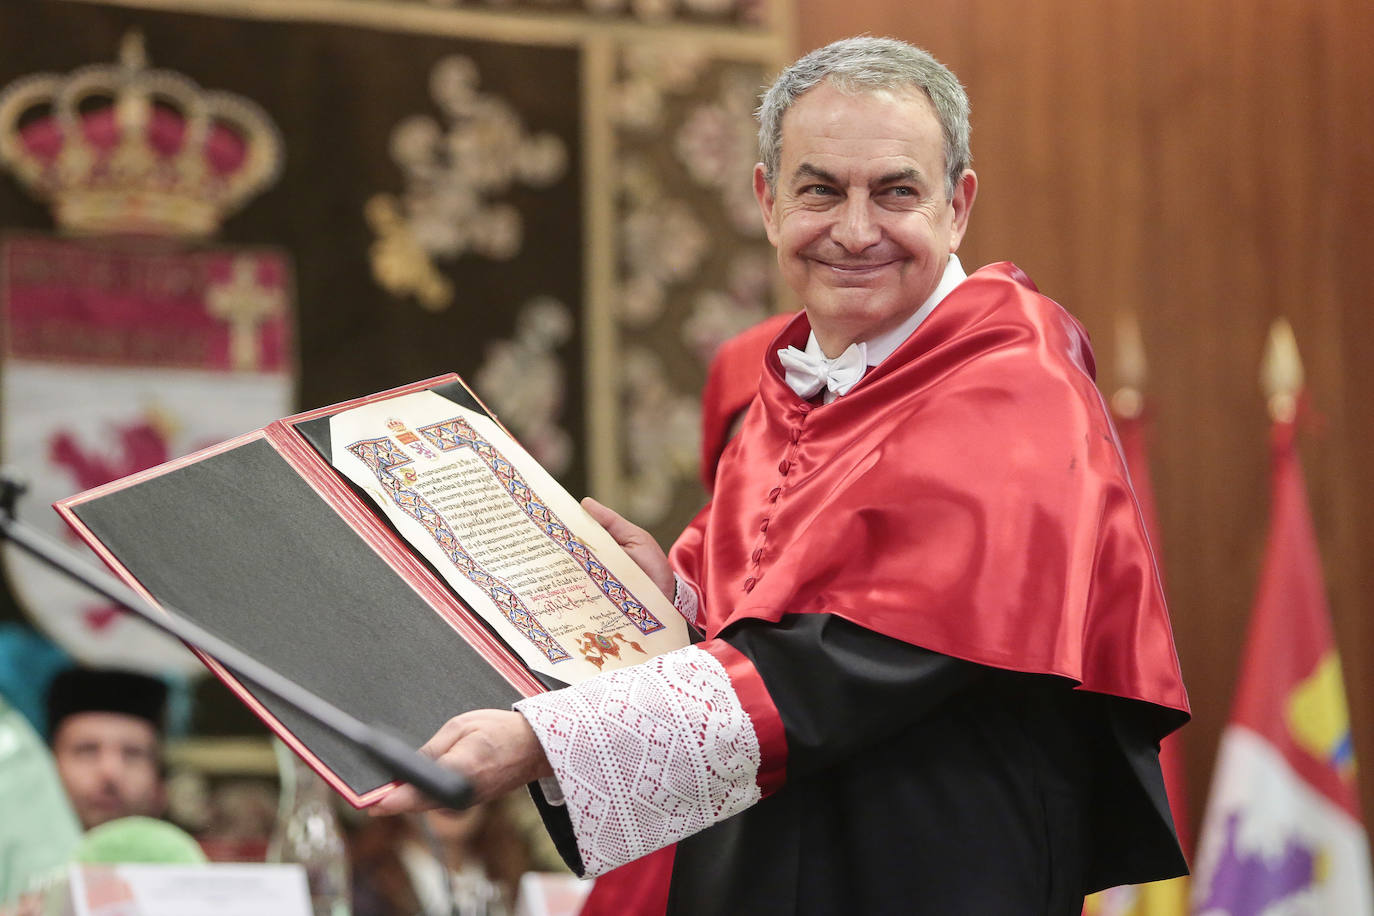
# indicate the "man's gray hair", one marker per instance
pixel 868 64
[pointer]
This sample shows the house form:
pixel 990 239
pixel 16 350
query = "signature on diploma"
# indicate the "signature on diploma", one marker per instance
pixel 569 601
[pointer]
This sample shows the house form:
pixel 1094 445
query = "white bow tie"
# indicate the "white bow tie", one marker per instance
pixel 808 373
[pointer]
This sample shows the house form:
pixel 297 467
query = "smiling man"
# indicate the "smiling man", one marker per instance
pixel 861 210
pixel 937 661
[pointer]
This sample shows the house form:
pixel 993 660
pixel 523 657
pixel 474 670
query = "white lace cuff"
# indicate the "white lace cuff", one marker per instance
pixel 647 755
pixel 686 601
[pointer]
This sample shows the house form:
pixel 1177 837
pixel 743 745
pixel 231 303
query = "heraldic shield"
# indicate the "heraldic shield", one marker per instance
pixel 130 340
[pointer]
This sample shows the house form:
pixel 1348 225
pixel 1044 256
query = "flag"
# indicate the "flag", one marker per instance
pixel 1283 831
pixel 1159 898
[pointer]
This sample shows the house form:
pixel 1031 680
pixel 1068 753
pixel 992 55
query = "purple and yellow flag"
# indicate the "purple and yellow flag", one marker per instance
pixel 1283 830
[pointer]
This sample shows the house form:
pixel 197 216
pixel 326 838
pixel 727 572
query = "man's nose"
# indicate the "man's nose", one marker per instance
pixel 111 765
pixel 855 226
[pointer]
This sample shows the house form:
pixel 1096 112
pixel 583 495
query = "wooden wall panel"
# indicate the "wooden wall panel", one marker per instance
pixel 1207 166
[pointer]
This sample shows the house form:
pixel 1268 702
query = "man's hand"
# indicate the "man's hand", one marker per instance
pixel 638 543
pixel 495 749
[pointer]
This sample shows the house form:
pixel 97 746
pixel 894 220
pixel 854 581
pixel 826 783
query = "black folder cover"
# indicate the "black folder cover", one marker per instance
pixel 240 541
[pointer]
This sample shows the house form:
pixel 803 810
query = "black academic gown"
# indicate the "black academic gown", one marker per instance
pixel 922 784
pixel 918 783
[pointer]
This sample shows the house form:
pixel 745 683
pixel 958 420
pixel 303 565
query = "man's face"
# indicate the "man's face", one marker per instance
pixel 859 214
pixel 109 766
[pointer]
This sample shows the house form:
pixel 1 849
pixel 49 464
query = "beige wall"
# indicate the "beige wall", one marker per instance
pixel 1211 167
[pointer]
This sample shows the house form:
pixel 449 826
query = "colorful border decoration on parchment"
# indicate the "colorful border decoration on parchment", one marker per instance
pixel 458 433
pixel 382 456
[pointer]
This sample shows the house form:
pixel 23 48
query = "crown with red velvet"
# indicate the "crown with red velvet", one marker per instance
pixel 119 148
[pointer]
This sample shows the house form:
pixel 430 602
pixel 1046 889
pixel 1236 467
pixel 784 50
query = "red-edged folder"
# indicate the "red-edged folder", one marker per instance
pixel 260 541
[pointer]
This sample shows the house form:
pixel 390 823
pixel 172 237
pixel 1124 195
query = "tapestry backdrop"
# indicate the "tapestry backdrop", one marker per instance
pixel 214 214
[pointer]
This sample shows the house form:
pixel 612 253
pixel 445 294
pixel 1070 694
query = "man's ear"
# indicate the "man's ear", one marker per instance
pixel 962 203
pixel 764 195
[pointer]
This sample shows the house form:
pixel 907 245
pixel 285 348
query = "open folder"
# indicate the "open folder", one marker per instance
pixel 399 555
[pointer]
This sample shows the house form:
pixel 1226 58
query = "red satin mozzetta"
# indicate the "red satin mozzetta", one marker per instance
pixel 967 496
pixel 732 381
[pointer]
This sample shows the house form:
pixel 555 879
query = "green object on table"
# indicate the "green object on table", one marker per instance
pixel 139 839
pixel 38 829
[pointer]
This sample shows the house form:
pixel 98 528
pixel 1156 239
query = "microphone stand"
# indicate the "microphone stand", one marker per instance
pixel 397 757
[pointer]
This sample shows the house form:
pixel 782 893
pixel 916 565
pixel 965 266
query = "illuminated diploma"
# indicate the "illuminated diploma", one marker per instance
pixel 514 545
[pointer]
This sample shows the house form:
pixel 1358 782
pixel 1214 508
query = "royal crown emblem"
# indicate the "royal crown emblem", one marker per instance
pixel 119 149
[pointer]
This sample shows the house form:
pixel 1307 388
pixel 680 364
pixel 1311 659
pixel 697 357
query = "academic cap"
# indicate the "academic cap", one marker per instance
pixel 106 690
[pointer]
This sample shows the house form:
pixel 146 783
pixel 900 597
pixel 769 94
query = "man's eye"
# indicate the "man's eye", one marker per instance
pixel 902 191
pixel 816 189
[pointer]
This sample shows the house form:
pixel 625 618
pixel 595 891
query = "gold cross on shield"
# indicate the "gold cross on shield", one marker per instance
pixel 244 304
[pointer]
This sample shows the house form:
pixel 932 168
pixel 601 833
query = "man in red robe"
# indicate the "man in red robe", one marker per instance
pixel 937 661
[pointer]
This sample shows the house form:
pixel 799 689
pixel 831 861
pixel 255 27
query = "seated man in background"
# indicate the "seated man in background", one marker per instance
pixel 106 727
